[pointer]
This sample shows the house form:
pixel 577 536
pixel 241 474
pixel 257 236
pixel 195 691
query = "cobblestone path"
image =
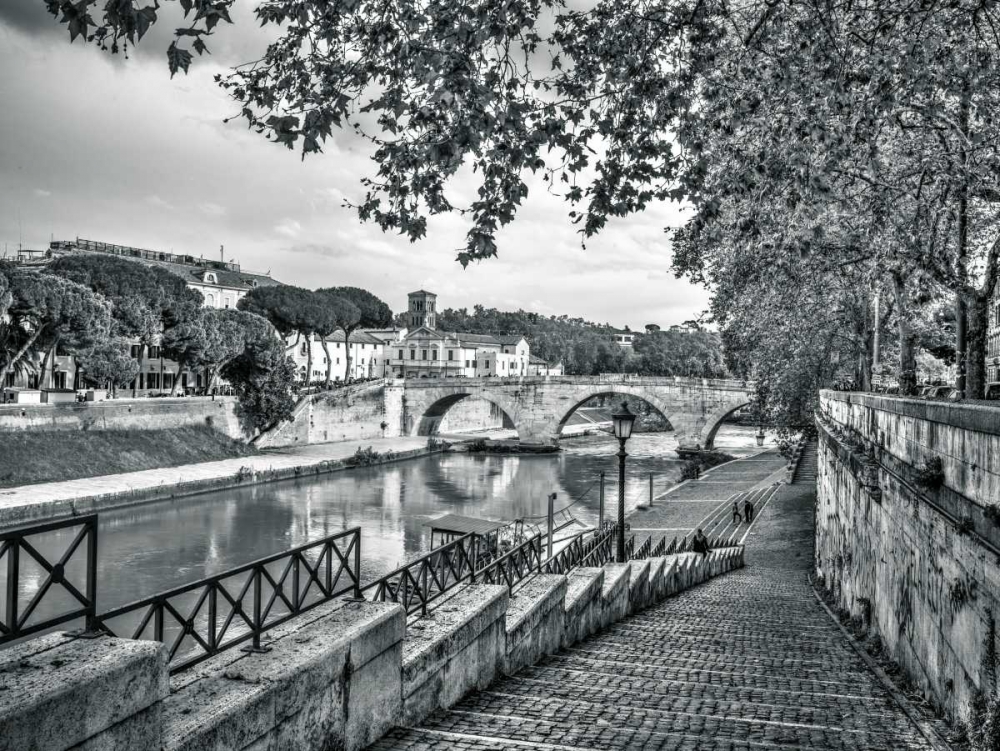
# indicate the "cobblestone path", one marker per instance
pixel 749 660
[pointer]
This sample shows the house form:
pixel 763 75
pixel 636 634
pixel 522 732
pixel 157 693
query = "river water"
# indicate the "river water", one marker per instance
pixel 151 548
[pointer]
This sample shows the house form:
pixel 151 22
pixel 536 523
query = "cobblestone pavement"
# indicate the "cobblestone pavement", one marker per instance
pixel 747 661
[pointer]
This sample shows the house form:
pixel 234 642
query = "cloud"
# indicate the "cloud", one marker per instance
pixel 155 200
pixel 42 193
pixel 212 209
pixel 288 228
pixel 156 167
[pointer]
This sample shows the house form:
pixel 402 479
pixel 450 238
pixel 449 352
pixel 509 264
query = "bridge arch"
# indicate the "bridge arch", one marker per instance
pixel 641 394
pixel 426 419
pixel 714 421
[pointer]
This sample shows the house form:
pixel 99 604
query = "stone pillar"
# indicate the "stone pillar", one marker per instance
pixel 59 693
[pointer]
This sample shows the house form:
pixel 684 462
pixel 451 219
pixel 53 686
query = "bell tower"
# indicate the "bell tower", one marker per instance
pixel 423 311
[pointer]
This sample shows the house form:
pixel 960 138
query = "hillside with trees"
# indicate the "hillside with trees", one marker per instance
pixel 586 348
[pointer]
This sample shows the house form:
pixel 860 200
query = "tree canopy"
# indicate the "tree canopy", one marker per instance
pixel 852 145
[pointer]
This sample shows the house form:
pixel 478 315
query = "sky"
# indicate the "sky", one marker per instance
pixel 106 148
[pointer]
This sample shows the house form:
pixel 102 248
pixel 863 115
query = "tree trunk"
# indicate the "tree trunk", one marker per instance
pixel 907 351
pixel 293 345
pixel 347 354
pixel 309 359
pixel 177 378
pixel 961 333
pixel 20 355
pixel 140 359
pixel 329 360
pixel 978 313
pixel 48 359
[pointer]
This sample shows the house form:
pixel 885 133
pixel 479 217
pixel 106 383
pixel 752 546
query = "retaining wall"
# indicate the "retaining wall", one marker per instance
pixel 125 414
pixel 339 676
pixel 919 564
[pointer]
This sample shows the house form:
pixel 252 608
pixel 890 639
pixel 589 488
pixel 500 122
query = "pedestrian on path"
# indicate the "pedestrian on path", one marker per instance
pixel 748 510
pixel 700 543
pixel 737 516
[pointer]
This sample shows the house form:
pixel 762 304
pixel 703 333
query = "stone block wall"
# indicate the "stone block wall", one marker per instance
pixel 919 564
pixel 125 414
pixel 339 676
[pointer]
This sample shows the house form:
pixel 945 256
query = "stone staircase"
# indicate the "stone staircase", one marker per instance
pixel 745 661
pixel 805 471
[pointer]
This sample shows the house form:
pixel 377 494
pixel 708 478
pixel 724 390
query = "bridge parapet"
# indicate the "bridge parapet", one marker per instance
pixel 538 406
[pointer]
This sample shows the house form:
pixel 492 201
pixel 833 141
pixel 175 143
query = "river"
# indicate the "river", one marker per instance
pixel 151 548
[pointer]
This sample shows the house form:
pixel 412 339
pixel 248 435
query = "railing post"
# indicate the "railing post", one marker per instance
pixel 475 557
pixel 600 512
pixel 650 489
pixel 551 521
pixel 12 583
pixel 257 575
pixel 357 565
pixel 90 625
pixel 423 590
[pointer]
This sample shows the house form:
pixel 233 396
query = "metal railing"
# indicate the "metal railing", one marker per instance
pixel 203 618
pixel 644 551
pixel 515 566
pixel 19 553
pixel 417 584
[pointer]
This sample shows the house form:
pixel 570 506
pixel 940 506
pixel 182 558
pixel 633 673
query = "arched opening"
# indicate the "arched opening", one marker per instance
pixel 716 420
pixel 594 413
pixel 463 412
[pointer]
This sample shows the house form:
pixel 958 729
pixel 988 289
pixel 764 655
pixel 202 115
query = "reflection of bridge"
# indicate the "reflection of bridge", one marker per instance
pixel 538 407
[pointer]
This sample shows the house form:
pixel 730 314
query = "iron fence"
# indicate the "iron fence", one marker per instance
pixel 660 549
pixel 420 582
pixel 203 618
pixel 31 575
pixel 514 566
pixel 643 552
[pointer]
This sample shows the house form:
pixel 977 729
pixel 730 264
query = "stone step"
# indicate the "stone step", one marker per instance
pixel 619 724
pixel 665 694
pixel 703 680
pixel 813 669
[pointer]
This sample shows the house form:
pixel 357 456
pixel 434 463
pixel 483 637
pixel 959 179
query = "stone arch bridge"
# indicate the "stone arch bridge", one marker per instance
pixel 538 407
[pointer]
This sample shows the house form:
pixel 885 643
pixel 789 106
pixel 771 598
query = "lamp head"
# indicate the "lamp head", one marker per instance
pixel 622 422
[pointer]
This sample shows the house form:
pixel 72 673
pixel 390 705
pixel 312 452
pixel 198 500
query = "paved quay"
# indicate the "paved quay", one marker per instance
pixel 749 660
pixel 50 499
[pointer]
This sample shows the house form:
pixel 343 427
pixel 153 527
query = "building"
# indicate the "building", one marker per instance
pixel 624 338
pixel 222 284
pixel 367 357
pixel 539 367
pixel 993 347
pixel 422 309
pixel 426 352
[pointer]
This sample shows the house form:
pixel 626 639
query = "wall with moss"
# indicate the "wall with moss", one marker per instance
pixel 907 536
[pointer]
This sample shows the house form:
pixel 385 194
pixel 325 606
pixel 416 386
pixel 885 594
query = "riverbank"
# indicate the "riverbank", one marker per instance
pixel 54 500
pixel 32 457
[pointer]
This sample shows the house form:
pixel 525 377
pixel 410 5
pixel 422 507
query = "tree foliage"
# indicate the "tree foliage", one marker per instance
pixel 362 309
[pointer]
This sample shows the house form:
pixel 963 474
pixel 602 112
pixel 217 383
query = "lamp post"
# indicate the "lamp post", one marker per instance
pixel 622 422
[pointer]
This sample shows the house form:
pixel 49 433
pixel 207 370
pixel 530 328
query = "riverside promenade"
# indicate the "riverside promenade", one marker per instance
pixel 749 660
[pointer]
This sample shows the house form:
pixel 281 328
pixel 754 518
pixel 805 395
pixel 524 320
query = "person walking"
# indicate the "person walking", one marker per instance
pixel 737 516
pixel 748 510
pixel 700 543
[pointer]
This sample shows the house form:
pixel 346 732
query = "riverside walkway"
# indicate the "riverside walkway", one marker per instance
pixel 749 660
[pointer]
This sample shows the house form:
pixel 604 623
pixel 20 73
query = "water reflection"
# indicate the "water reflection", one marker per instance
pixel 151 548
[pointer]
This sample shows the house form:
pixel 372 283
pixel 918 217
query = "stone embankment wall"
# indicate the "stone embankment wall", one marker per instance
pixel 339 676
pixel 907 534
pixel 124 414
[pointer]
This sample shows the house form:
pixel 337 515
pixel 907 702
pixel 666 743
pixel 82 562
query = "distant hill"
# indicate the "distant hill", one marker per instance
pixel 587 348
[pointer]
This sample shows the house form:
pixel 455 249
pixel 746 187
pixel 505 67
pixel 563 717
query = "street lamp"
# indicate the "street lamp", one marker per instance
pixel 622 422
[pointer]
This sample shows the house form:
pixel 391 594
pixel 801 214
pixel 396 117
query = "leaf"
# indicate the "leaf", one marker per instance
pixel 177 59
pixel 145 18
pixel 199 46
